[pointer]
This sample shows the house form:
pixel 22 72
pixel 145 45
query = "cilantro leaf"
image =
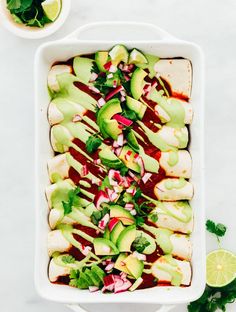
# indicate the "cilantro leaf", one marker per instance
pixel 93 143
pixel 98 215
pixel 218 229
pixel 140 243
pixel 123 170
pixel 105 184
pixel 153 217
pixel 68 259
pixel 138 194
pixel 130 114
pixel 72 200
pixel 139 221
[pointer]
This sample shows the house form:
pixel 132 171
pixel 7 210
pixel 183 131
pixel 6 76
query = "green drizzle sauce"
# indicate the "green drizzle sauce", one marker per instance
pixel 175 183
pixel 173 158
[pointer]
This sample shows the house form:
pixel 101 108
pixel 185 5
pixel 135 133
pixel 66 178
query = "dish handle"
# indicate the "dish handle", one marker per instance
pixel 120 31
pixel 78 308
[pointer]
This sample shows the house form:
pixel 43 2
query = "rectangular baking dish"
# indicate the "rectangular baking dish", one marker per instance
pixel 88 39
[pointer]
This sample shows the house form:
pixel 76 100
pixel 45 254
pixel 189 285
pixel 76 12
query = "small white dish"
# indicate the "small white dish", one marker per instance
pixel 28 32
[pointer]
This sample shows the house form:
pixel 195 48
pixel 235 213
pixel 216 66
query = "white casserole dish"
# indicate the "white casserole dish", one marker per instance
pixel 88 39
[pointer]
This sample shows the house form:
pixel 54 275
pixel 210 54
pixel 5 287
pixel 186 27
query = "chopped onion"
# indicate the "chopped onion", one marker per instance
pixel 120 139
pixel 110 76
pixel 110 266
pixel 103 222
pixel 133 212
pixel 112 69
pixel 139 256
pixel 93 77
pixel 101 102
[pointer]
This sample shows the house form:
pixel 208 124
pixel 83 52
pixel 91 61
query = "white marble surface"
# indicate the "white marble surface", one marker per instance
pixel 211 24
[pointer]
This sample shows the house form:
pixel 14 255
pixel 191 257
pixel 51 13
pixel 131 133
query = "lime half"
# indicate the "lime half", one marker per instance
pixel 221 268
pixel 119 54
pixel 136 57
pixel 51 8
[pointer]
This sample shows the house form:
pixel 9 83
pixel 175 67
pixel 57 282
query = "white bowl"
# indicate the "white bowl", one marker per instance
pixel 28 32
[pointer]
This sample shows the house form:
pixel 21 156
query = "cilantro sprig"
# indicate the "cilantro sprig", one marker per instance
pixel 72 200
pixel 28 12
pixel 140 243
pixel 93 143
pixel 218 229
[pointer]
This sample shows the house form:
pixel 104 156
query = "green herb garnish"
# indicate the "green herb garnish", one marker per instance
pixel 68 259
pixel 140 243
pixel 218 229
pixel 93 143
pixel 72 200
pixel 28 12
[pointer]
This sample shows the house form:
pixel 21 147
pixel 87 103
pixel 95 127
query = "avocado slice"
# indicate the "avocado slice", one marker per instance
pixel 111 108
pixel 115 233
pixel 104 247
pixel 129 162
pixel 126 238
pixel 134 266
pixel 82 67
pixel 152 60
pixel 137 83
pixel 123 215
pixel 138 107
pixel 95 269
pixel 110 81
pixel 111 128
pixel 150 248
pixel 132 141
pixel 118 54
pixel 119 264
pixel 101 58
pixel 106 233
pixel 109 159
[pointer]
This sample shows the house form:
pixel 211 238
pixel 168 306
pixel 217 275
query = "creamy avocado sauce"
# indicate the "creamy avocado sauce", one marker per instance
pixel 60 194
pixel 70 91
pixel 170 266
pixel 175 184
pixel 173 158
pixel 184 208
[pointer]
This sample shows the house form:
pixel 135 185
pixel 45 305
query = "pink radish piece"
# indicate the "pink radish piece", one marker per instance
pixel 103 222
pixel 101 102
pixel 121 119
pixel 146 177
pixel 93 288
pixel 113 223
pixel 101 197
pixel 113 92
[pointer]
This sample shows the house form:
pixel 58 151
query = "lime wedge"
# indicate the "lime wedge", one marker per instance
pixel 119 54
pixel 221 268
pixel 51 8
pixel 136 57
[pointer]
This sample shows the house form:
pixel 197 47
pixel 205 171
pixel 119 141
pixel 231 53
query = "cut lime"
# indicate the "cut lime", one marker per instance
pixel 52 8
pixel 136 57
pixel 221 268
pixel 119 54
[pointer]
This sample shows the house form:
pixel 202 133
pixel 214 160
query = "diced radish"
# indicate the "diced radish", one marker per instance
pixel 121 119
pixel 123 275
pixel 114 196
pixel 146 177
pixel 107 65
pixel 121 66
pixel 136 157
pixel 118 151
pixel 117 189
pixel 110 76
pixel 141 165
pixel 120 287
pixel 115 144
pixel 97 161
pixel 114 84
pixel 92 88
pixel 123 98
pixel 76 118
pixel 101 197
pixel 93 288
pixel 113 92
pixel 103 222
pixel 127 77
pixel 133 212
pixel 120 139
pixel 101 102
pixel 129 205
pixel 128 155
pixel 96 181
pixel 113 222
pixel 121 127
pixel 130 190
pixel 93 77
pixel 109 283
pixel 136 179
pixel 112 69
pixel 139 256
pixel 110 266
pixel 86 250
pixel 84 171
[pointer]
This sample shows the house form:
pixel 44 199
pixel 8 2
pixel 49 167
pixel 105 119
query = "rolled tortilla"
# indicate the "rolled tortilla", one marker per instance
pixel 61 108
pixel 55 270
pixel 175 216
pixel 61 186
pixel 188 110
pixel 166 268
pixel 173 190
pixel 58 165
pixel 176 137
pixel 56 216
pixel 57 242
pixel 178 73
pixel 52 76
pixel 61 138
pixel 176 164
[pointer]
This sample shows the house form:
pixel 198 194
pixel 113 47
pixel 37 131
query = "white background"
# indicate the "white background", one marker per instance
pixel 209 23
